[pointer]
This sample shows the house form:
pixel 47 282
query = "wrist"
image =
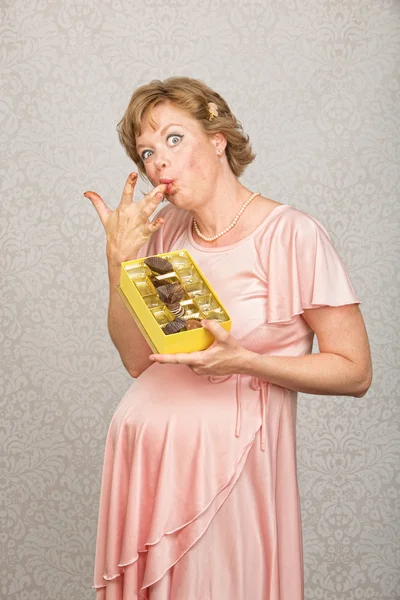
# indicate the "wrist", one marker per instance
pixel 248 362
pixel 114 272
pixel 114 267
pixel 115 256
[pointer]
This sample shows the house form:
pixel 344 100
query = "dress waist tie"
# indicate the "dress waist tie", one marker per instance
pixel 256 384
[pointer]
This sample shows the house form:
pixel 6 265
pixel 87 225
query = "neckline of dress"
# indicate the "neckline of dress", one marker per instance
pixel 228 247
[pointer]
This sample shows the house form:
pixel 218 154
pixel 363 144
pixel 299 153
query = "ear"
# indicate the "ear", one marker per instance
pixel 218 140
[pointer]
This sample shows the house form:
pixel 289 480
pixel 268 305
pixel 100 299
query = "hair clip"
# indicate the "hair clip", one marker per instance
pixel 213 110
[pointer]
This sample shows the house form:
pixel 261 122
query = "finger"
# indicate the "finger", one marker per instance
pixel 101 208
pixel 151 201
pixel 127 192
pixel 220 334
pixel 155 225
pixel 159 188
pixel 147 208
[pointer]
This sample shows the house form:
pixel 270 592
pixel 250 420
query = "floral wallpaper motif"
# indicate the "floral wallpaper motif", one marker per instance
pixel 316 85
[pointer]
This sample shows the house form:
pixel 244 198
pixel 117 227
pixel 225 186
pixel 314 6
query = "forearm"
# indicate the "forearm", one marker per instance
pixel 323 373
pixel 127 338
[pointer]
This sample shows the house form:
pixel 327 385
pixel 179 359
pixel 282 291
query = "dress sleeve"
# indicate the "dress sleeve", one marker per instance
pixel 303 268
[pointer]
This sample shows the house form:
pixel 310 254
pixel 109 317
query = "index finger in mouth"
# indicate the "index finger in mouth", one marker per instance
pixel 159 188
pixel 156 194
pixel 149 205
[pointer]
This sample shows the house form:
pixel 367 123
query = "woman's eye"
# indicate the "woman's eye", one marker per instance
pixel 174 138
pixel 146 154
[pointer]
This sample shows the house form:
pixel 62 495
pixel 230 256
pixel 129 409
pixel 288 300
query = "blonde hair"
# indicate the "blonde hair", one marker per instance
pixel 192 96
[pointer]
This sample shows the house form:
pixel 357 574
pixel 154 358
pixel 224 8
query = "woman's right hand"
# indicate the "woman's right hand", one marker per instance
pixel 128 226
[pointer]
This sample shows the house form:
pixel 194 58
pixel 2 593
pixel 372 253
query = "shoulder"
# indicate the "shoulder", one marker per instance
pixel 288 229
pixel 285 218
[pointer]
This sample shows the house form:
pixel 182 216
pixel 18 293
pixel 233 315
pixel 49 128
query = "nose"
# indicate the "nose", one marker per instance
pixel 161 160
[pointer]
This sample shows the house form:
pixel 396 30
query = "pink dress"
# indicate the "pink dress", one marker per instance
pixel 199 496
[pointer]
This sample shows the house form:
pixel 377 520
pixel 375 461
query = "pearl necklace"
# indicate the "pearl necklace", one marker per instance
pixel 235 220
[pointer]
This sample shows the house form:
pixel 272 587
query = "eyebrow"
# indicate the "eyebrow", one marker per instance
pixel 161 133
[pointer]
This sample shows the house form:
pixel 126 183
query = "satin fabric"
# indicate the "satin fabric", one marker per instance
pixel 199 496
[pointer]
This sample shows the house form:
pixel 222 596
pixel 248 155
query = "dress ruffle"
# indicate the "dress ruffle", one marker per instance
pixel 164 482
pixel 303 267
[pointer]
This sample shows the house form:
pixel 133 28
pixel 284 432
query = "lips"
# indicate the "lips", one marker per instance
pixel 168 183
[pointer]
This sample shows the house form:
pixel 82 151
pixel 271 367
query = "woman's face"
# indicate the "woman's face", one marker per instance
pixel 180 153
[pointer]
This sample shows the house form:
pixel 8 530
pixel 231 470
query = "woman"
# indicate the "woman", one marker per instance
pixel 199 495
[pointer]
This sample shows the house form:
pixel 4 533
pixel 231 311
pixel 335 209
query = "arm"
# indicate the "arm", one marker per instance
pixel 127 229
pixel 304 270
pixel 125 335
pixel 342 367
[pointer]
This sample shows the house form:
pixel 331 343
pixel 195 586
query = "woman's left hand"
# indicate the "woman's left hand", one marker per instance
pixel 224 357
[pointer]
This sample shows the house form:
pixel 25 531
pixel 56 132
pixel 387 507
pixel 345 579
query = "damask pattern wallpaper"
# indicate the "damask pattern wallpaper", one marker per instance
pixel 316 85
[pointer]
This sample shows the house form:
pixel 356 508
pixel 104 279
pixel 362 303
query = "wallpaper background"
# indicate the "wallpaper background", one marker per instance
pixel 316 85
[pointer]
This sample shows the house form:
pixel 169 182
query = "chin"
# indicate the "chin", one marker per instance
pixel 177 200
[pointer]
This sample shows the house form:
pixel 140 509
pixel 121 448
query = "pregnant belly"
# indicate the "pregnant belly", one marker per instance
pixel 167 396
pixel 171 460
pixel 173 439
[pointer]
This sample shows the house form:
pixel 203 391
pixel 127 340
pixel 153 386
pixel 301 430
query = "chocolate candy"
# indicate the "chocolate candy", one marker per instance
pixel 176 309
pixel 156 282
pixel 158 264
pixel 171 293
pixel 175 326
pixel 193 324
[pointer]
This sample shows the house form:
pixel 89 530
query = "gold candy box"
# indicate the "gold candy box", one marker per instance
pixel 168 295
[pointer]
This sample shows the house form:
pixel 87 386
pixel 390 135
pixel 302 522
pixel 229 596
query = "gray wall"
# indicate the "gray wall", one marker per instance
pixel 316 85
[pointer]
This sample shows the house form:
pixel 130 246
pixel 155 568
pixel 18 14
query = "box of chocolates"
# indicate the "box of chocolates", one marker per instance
pixel 168 296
